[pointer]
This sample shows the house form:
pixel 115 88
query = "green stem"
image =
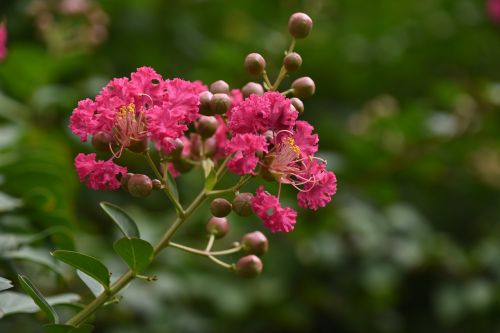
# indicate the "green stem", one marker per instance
pixel 243 180
pixel 283 72
pixel 205 253
pixel 266 80
pixel 210 243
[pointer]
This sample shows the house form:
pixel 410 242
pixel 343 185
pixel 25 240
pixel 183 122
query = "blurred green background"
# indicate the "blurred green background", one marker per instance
pixel 408 94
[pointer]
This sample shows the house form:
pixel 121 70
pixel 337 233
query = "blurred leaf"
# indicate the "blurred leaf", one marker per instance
pixel 137 253
pixel 37 256
pixel 14 302
pixel 8 203
pixel 35 294
pixel 95 287
pixel 5 284
pixel 210 175
pixel 60 328
pixel 122 220
pixel 87 264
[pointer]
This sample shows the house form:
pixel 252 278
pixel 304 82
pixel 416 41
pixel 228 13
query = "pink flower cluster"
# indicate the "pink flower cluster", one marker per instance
pixel 493 9
pixel 3 40
pixel 259 134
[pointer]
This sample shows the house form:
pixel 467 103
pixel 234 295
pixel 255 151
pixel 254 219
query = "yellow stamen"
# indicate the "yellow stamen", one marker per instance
pixel 293 146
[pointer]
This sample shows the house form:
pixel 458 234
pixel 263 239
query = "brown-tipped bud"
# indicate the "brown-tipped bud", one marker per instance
pixel 242 204
pixel 255 63
pixel 205 98
pixel 125 179
pixel 220 103
pixel 220 207
pixel 300 25
pixel 249 266
pixel 219 87
pixel 303 87
pixel 292 61
pixel 252 88
pixel 297 104
pixel 210 147
pixel 218 226
pixel 156 184
pixel 206 126
pixel 101 141
pixel 139 185
pixel 179 147
pixel 138 146
pixel 255 243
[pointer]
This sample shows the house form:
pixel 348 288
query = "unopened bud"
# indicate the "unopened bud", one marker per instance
pixel 101 141
pixel 138 146
pixel 220 103
pixel 206 126
pixel 205 98
pixel 139 185
pixel 297 104
pixel 124 180
pixel 249 266
pixel 220 207
pixel 292 61
pixel 255 63
pixel 255 243
pixel 252 88
pixel 210 146
pixel 218 226
pixel 156 184
pixel 300 25
pixel 179 147
pixel 242 204
pixel 303 87
pixel 219 87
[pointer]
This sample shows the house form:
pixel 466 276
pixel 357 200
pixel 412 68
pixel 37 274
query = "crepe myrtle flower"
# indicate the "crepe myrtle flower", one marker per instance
pixel 3 40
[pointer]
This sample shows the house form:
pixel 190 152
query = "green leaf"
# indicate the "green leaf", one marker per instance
pixel 123 221
pixel 59 328
pixel 210 174
pixel 137 253
pixel 5 284
pixel 87 264
pixel 92 284
pixel 37 296
pixel 14 302
pixel 39 257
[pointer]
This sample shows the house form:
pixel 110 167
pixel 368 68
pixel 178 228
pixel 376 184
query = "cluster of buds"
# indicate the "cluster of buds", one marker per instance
pixel 253 132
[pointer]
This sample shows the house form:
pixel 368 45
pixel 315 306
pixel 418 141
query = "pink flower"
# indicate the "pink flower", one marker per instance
pixel 3 40
pixel 99 175
pixel 318 192
pixel 307 142
pixel 258 114
pixel 493 8
pixel 268 209
pixel 220 138
pixel 246 146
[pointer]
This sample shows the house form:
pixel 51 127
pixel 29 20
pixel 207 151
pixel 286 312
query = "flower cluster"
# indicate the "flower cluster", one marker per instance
pixel 3 40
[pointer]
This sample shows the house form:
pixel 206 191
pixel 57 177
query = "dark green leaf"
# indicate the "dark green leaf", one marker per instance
pixel 59 328
pixel 38 298
pixel 87 264
pixel 123 221
pixel 137 253
pixel 14 302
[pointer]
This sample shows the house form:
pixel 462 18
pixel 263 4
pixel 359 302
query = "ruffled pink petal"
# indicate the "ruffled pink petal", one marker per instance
pixel 268 209
pixel 82 121
pixel 320 191
pixel 246 146
pixel 98 175
pixel 303 137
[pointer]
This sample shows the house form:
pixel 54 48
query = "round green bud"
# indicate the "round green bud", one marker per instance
pixel 297 104
pixel 242 204
pixel 249 266
pixel 124 181
pixel 255 63
pixel 139 185
pixel 255 243
pixel 220 103
pixel 206 126
pixel 219 87
pixel 292 61
pixel 218 226
pixel 101 141
pixel 252 88
pixel 300 25
pixel 157 184
pixel 303 87
pixel 220 207
pixel 205 98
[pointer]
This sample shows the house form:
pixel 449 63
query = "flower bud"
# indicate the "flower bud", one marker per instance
pixel 299 25
pixel 252 88
pixel 242 204
pixel 219 87
pixel 297 104
pixel 138 146
pixel 139 185
pixel 210 147
pixel 124 181
pixel 292 61
pixel 303 87
pixel 101 141
pixel 249 266
pixel 220 103
pixel 255 243
pixel 205 98
pixel 156 184
pixel 179 147
pixel 255 64
pixel 206 126
pixel 218 226
pixel 220 207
